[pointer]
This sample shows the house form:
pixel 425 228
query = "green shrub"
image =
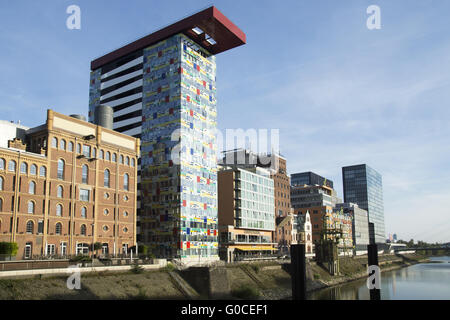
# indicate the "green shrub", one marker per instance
pixel 143 249
pixel 245 292
pixel 316 276
pixel 137 269
pixel 169 267
pixel 81 258
pixel 255 268
pixel 9 248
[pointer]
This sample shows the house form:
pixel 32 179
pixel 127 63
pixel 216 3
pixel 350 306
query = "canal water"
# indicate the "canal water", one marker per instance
pixel 424 281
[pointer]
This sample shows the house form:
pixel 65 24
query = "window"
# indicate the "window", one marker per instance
pixel 114 157
pixel 85 174
pixel 60 192
pixel 121 159
pixel 78 148
pixel 43 171
pixel 30 227
pixel 94 153
pixel 1 183
pixel 84 195
pixel 58 228
pixel 83 212
pixel 83 230
pixel 32 188
pixel 106 212
pixel 105 228
pixel 108 156
pixel 125 214
pixel 70 146
pixel 125 230
pixel 87 151
pixel 24 168
pixel 54 143
pixel 126 178
pixel 31 207
pixel 102 154
pixel 127 161
pixel 133 162
pixel 2 164
pixel 12 165
pixel 61 169
pixel 62 144
pixel 59 210
pixel 28 251
pixel 1 204
pixel 33 169
pixel 106 179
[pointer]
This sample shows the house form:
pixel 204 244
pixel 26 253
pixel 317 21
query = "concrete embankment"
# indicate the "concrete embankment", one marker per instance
pixel 260 280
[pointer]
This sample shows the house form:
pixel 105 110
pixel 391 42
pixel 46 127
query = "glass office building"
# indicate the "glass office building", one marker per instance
pixel 309 178
pixel 363 186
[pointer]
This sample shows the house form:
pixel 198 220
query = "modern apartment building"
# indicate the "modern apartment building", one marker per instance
pixel 66 185
pixel 360 224
pixel 246 207
pixel 309 178
pixel 306 196
pixel 163 89
pixel 363 186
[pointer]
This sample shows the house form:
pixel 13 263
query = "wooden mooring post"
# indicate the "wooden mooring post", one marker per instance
pixel 298 272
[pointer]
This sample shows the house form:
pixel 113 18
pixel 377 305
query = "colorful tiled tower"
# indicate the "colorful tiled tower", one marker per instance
pixel 163 90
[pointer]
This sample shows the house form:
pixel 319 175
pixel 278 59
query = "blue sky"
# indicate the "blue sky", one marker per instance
pixel 339 93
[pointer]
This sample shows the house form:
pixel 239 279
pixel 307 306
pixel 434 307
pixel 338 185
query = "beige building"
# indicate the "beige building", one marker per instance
pixel 66 185
pixel 246 213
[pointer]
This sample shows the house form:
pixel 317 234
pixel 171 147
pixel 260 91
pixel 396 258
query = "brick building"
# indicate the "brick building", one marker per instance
pixel 67 184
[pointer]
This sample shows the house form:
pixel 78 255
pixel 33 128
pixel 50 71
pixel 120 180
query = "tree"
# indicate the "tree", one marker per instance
pixel 97 246
pixel 8 249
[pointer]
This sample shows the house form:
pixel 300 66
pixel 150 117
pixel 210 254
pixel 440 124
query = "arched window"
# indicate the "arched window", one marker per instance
pixel 30 227
pixel 108 156
pixel 43 171
pixel 32 187
pixel 60 192
pixel 83 212
pixel 62 144
pixel 59 210
pixel 61 169
pixel 54 142
pixel 70 146
pixel 133 162
pixel 126 179
pixel 31 207
pixel 1 183
pixel 12 165
pixel 127 161
pixel 83 230
pixel 114 157
pixel 24 168
pixel 2 164
pixel 78 148
pixel 121 159
pixel 106 179
pixel 1 204
pixel 94 153
pixel 102 154
pixel 33 169
pixel 85 174
pixel 58 228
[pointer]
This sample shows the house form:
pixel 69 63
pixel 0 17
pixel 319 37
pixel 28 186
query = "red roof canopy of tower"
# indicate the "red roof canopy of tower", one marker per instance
pixel 225 34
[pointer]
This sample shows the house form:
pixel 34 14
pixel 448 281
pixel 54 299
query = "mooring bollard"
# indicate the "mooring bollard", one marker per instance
pixel 298 272
pixel 373 282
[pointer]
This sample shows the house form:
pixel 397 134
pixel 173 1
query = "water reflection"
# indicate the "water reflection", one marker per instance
pixel 421 281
